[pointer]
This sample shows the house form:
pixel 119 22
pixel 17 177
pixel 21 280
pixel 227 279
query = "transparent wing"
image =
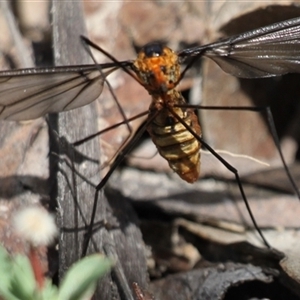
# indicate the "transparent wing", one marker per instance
pixel 30 93
pixel 264 52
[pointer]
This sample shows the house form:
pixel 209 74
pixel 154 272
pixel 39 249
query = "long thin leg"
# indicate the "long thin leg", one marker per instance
pixel 231 169
pixel 90 137
pixel 272 128
pixel 115 164
pixel 86 45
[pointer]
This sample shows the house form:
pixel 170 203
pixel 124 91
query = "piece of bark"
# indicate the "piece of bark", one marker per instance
pixel 75 195
pixel 208 283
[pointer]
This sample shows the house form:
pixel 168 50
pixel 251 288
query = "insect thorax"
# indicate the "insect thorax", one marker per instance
pixel 158 71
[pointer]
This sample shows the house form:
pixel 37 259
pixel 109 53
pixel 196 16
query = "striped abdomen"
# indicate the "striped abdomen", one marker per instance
pixel 173 141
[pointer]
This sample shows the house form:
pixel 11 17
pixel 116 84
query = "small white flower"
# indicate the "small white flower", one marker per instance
pixel 35 225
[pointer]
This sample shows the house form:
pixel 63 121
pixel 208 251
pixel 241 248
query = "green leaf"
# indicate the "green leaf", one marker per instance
pixel 49 292
pixel 23 284
pixel 7 295
pixel 81 279
pixel 6 273
pixel 16 277
pixel 5 268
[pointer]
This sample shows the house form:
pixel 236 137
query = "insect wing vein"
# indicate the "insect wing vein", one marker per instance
pixel 31 93
pixel 268 51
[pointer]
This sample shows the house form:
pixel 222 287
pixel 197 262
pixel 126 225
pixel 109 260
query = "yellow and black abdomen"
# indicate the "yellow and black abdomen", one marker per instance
pixel 176 144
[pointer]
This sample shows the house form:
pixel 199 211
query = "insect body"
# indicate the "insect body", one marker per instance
pixel 158 70
pixel 264 52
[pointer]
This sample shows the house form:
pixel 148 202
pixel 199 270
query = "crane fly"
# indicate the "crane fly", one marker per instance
pixel 173 126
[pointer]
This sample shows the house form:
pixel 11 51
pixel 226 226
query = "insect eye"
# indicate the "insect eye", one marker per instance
pixel 153 49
